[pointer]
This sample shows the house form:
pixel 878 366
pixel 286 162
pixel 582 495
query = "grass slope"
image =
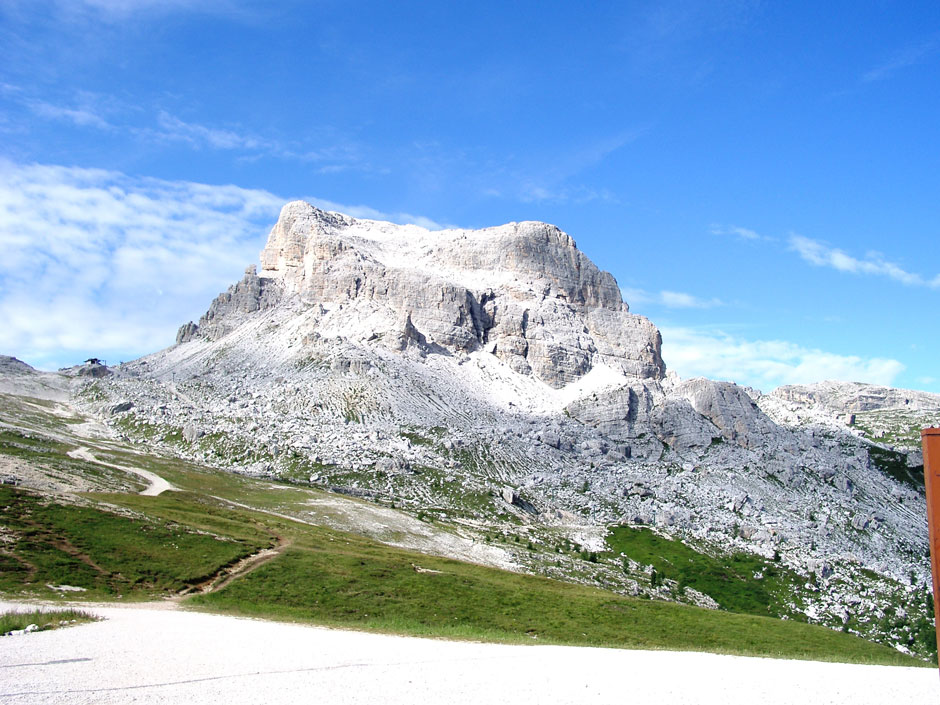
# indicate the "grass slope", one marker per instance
pixel 349 582
pixel 110 554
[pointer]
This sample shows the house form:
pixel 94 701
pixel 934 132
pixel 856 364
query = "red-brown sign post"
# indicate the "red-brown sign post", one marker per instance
pixel 930 439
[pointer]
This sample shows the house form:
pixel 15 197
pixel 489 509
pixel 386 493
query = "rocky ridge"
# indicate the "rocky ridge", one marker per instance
pixel 495 377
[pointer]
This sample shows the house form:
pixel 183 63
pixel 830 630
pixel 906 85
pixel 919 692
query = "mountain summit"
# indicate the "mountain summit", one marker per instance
pixel 522 292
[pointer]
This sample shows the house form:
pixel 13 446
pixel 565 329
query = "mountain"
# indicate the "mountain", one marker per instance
pixel 494 381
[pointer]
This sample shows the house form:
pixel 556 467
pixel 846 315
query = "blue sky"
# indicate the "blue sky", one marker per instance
pixel 761 178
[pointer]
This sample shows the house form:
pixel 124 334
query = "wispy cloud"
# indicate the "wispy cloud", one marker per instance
pixel 250 147
pixel 554 182
pixel 83 117
pixel 105 113
pixel 821 255
pixel 124 10
pixel 908 56
pixel 669 299
pixel 738 232
pixel 171 127
pixel 766 364
pixel 535 193
pixel 369 213
pixel 84 109
pixel 666 40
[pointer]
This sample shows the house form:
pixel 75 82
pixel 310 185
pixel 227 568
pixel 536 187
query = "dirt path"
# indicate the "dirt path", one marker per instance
pixel 157 484
pixel 238 570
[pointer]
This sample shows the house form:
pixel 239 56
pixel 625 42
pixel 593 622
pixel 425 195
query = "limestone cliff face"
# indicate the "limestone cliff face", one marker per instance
pixel 225 312
pixel 521 291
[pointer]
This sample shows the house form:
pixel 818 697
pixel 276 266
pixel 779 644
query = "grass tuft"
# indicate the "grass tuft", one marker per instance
pixel 43 619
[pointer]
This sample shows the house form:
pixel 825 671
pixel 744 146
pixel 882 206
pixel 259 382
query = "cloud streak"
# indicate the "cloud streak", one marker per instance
pixel 82 117
pixel 104 113
pixel 669 299
pixel 553 182
pixel 738 232
pixel 173 128
pixel 909 56
pixel 766 364
pixel 128 10
pixel 821 255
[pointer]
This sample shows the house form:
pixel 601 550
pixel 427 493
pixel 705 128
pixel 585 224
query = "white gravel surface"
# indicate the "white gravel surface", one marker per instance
pixel 152 655
pixel 157 484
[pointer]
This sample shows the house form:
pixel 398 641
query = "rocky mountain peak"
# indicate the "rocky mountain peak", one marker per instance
pixel 522 291
pixel 529 257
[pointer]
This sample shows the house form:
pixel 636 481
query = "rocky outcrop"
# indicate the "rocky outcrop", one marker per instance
pixel 522 291
pixel 13 366
pixel 229 308
pixel 730 409
pixel 853 397
pixel 187 332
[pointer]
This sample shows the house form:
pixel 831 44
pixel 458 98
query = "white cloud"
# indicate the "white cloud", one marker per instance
pixel 669 299
pixel 334 158
pixel 536 181
pixel 766 364
pixel 533 193
pixel 198 135
pixel 737 231
pixel 83 117
pixel 821 255
pixel 107 113
pixel 116 10
pixel 369 213
pixel 95 260
pixel 675 299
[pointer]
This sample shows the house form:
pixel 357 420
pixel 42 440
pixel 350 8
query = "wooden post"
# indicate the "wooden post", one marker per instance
pixel 930 440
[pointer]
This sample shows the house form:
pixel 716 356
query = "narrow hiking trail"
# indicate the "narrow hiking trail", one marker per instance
pixel 157 484
pixel 240 569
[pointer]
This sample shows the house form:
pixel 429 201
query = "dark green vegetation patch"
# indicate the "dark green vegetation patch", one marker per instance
pixel 739 582
pixel 894 464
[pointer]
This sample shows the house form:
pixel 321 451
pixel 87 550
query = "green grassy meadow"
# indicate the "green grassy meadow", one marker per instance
pixel 350 583
pixel 112 554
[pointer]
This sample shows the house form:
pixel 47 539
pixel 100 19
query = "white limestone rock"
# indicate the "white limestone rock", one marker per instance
pixel 522 291
pixel 846 398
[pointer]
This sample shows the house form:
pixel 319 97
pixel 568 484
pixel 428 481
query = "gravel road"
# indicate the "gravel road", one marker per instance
pixel 157 484
pixel 151 654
